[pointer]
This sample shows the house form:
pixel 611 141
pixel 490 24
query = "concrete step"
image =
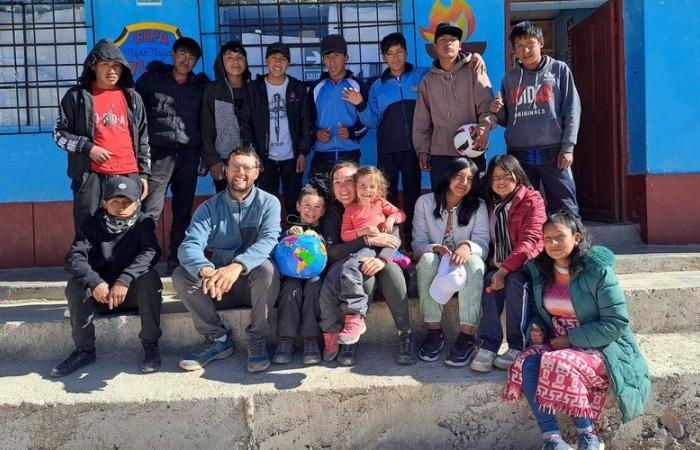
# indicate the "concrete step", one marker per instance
pixel 613 234
pixel 658 303
pixel 48 283
pixel 375 405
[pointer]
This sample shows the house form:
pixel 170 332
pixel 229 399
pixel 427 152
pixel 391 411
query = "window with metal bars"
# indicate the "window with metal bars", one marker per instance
pixel 42 49
pixel 302 23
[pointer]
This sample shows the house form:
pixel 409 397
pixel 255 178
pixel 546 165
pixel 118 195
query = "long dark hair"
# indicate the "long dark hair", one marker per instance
pixel 573 223
pixel 470 202
pixel 510 165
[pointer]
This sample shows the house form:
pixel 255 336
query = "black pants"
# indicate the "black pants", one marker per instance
pixel 323 162
pixel 298 310
pixel 438 165
pixel 87 195
pixel 177 168
pixel 406 164
pixel 144 295
pixel 286 172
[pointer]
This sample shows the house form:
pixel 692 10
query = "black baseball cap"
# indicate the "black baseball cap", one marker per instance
pixel 121 186
pixel 278 47
pixel 334 43
pixel 448 28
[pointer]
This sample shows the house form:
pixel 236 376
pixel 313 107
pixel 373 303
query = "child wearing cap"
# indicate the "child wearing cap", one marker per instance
pixel 336 125
pixel 450 95
pixel 451 224
pixel 111 262
pixel 278 116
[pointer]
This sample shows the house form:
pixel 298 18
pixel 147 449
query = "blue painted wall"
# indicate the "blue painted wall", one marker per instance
pixel 662 68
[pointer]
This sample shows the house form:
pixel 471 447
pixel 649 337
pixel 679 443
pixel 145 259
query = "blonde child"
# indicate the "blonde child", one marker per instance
pixel 368 215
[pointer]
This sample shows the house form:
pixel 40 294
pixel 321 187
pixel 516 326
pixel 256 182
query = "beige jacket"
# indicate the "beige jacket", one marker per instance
pixel 448 100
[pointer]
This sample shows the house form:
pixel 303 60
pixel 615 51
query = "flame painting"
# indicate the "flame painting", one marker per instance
pixel 459 12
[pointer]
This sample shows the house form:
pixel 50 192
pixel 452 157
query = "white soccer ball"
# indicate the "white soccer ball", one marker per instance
pixel 464 141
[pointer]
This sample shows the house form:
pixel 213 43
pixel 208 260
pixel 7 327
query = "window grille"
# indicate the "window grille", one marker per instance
pixel 42 49
pixel 302 23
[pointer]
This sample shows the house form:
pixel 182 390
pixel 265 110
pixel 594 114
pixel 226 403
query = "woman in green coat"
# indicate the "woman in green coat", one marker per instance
pixel 580 339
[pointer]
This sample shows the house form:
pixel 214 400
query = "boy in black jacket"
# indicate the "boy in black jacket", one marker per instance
pixel 102 126
pixel 112 261
pixel 172 95
pixel 281 126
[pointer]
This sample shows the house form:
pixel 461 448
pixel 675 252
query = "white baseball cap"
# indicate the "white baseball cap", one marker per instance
pixel 448 281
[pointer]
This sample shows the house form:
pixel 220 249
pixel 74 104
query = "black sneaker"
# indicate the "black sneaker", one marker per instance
pixel 171 266
pixel 432 344
pixel 346 355
pixel 312 352
pixel 462 351
pixel 258 357
pixel 285 350
pixel 151 357
pixel 407 349
pixel 79 358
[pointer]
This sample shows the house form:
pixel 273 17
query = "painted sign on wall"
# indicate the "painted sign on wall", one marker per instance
pixel 459 12
pixel 144 42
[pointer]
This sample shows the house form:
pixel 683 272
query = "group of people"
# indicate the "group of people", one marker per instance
pixel 482 234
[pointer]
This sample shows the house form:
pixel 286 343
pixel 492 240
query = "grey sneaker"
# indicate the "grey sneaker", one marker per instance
pixel 556 443
pixel 215 350
pixel 505 360
pixel 483 361
pixel 285 350
pixel 589 441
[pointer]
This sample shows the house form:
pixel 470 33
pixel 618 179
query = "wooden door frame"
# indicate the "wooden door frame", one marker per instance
pixel 620 97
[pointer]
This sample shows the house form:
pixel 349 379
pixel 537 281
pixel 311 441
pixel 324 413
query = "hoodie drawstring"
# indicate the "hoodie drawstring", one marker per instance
pixel 515 115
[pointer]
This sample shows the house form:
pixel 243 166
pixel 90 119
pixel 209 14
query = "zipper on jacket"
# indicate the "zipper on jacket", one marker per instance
pixel 403 110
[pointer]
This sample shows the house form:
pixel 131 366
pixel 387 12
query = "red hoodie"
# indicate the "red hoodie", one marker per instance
pixel 526 217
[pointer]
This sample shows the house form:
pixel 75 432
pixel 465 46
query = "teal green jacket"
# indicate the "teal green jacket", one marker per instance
pixel 602 313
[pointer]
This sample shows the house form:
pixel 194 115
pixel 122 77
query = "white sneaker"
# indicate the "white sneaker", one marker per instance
pixel 483 361
pixel 507 359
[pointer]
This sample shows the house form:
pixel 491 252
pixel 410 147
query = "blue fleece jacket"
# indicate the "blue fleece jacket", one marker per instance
pixel 245 232
pixel 328 109
pixel 390 107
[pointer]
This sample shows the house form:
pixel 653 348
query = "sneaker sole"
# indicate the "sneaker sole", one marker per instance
pixel 464 363
pixel 311 360
pixel 502 366
pixel 191 368
pixel 53 374
pixel 351 340
pixel 256 369
pixel 426 358
pixel 481 369
pixel 285 360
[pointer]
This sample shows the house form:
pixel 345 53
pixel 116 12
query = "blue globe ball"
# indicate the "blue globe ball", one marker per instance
pixel 301 256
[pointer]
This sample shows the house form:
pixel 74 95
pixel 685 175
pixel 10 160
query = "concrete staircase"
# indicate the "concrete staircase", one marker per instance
pixel 375 404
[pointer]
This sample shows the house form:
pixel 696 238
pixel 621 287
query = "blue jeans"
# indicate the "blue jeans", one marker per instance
pixel 545 420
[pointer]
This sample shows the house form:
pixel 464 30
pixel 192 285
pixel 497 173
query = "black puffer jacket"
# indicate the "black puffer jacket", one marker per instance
pixel 172 108
pixel 75 126
pixel 297 114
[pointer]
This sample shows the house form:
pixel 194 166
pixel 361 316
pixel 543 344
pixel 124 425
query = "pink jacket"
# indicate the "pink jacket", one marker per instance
pixel 356 217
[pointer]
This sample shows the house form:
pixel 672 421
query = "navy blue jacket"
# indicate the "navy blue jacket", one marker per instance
pixel 390 107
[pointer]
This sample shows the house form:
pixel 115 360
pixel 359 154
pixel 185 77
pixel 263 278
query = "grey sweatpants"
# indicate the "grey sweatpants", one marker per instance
pixel 258 289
